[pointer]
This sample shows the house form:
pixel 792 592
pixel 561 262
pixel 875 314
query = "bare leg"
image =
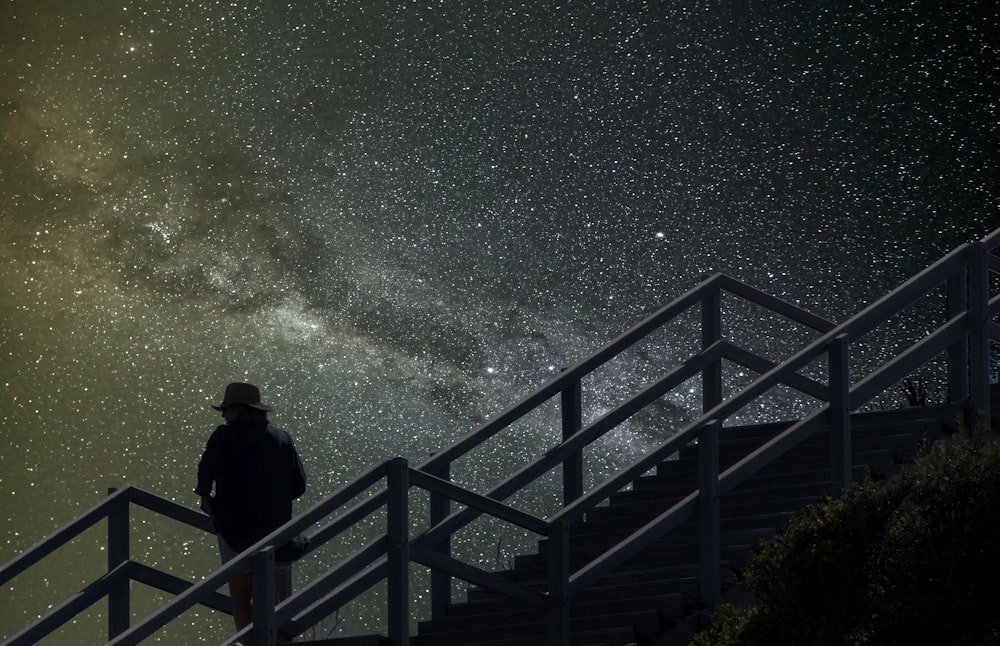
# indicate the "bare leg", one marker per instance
pixel 282 590
pixel 241 591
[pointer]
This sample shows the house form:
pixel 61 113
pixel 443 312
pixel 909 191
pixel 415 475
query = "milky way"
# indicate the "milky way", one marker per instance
pixel 399 217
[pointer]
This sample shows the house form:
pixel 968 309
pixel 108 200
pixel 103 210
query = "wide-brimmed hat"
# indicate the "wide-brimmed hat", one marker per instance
pixel 246 394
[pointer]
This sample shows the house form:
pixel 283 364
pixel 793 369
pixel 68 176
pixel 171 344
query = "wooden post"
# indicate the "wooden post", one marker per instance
pixel 264 622
pixel 958 353
pixel 440 507
pixel 398 556
pixel 840 415
pixel 572 421
pixel 711 331
pixel 979 334
pixel 558 609
pixel 710 550
pixel 119 610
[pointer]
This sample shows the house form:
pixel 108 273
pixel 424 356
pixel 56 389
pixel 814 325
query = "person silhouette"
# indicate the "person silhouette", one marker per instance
pixel 257 473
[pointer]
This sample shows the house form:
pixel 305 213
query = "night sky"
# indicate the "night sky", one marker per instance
pixel 399 217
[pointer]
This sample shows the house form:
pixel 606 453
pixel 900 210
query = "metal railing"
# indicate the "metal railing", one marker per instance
pixel 963 338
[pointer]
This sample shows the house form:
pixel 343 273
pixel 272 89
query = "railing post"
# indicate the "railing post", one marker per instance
pixel 572 421
pixel 840 415
pixel 710 550
pixel 440 507
pixel 558 610
pixel 958 353
pixel 119 610
pixel 979 335
pixel 264 622
pixel 711 332
pixel 398 552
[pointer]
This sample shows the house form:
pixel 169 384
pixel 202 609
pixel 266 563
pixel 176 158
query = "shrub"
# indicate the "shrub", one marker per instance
pixel 912 559
pixel 938 565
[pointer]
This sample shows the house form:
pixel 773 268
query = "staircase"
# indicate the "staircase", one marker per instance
pixel 652 597
pixel 636 559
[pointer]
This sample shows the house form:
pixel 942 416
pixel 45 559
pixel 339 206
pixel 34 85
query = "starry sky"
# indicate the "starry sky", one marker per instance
pixel 398 217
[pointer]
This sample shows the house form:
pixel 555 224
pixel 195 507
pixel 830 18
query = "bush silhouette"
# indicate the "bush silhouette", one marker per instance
pixel 914 558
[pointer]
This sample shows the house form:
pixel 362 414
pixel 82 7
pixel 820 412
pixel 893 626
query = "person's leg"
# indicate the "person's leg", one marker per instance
pixel 283 590
pixel 241 592
pixel 240 588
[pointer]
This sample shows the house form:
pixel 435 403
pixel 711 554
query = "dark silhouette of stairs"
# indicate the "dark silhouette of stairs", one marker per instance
pixel 649 600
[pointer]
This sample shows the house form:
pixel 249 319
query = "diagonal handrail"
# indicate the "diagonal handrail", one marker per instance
pixel 894 371
pixel 60 537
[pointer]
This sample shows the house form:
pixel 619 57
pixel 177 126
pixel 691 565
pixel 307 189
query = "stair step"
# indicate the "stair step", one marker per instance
pixel 684 539
pixel 480 614
pixel 628 524
pixel 359 640
pixel 636 596
pixel 816 446
pixel 880 460
pixel 644 509
pixel 624 583
pixel 536 637
pixel 743 493
pixel 687 469
pixel 534 625
pixel 742 440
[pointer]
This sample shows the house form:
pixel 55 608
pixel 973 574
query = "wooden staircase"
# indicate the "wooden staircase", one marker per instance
pixel 641 545
pixel 650 599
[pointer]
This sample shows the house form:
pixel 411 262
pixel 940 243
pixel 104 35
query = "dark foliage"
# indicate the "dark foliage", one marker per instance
pixel 912 559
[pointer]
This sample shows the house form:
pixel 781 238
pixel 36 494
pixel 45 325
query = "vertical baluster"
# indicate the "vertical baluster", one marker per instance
pixel 398 545
pixel 710 579
pixel 264 622
pixel 711 331
pixel 840 415
pixel 440 507
pixel 572 421
pixel 559 623
pixel 119 611
pixel 979 339
pixel 958 353
pixel 710 551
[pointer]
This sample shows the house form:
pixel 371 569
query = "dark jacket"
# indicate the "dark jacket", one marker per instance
pixel 257 474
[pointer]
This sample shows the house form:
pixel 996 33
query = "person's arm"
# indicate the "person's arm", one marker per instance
pixel 207 468
pixel 299 482
pixel 206 506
